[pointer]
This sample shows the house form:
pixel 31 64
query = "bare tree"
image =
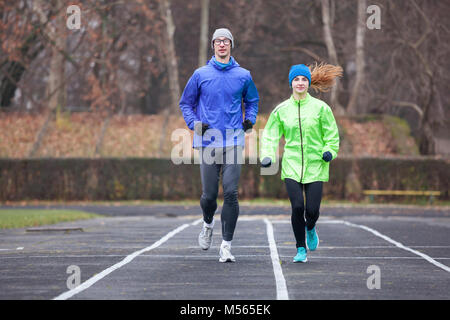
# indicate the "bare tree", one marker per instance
pixel 171 56
pixel 18 48
pixel 56 90
pixel 352 106
pixel 204 26
pixel 416 66
pixel 172 66
pixel 57 36
pixel 332 54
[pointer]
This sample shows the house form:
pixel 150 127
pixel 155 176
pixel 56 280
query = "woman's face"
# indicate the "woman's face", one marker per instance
pixel 300 84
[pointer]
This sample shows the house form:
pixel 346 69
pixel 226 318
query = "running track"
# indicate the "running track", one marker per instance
pixel 156 257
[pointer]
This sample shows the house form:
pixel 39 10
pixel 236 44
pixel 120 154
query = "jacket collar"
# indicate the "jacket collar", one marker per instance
pixel 302 101
pixel 231 65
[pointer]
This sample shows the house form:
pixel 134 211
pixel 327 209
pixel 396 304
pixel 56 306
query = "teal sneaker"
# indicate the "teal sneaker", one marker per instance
pixel 301 255
pixel 312 239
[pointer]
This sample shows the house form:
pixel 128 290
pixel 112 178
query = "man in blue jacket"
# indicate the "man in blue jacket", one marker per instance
pixel 212 107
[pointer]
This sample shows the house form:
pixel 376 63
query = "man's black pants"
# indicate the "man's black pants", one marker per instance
pixel 228 162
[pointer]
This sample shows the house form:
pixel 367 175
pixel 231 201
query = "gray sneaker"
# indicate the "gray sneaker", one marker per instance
pixel 205 238
pixel 225 254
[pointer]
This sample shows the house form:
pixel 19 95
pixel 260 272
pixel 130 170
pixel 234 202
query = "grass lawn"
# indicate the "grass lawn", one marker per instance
pixel 21 218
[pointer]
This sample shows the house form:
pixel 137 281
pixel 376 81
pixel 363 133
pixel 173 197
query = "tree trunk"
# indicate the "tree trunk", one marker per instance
pixel 328 37
pixel 172 66
pixel 429 122
pixel 57 35
pixel 55 88
pixel 41 133
pixel 11 71
pixel 204 27
pixel 360 63
pixel 8 84
pixel 433 110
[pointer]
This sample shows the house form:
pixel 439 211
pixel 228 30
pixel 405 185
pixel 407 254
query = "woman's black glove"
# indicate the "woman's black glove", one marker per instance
pixel 266 162
pixel 327 156
pixel 200 128
pixel 247 124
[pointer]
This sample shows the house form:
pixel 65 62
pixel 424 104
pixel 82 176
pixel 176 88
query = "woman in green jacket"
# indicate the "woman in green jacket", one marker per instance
pixel 312 141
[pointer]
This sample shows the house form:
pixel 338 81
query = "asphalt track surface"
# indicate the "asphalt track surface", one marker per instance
pixel 151 253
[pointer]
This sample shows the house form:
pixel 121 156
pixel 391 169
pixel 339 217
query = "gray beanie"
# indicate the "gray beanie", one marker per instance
pixel 222 32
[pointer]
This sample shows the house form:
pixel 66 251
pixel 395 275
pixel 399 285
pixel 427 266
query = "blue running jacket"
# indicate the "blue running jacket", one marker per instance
pixel 214 95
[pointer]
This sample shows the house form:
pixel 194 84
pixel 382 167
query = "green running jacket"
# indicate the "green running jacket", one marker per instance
pixel 309 129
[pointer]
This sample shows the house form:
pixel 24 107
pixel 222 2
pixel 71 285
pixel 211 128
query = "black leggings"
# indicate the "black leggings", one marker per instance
pixel 313 194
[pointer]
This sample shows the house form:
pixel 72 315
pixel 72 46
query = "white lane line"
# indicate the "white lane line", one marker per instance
pixel 370 258
pixel 83 286
pixel 282 293
pixel 196 222
pixel 18 248
pixel 289 221
pixel 212 256
pixel 396 243
pixel 335 247
pixel 326 247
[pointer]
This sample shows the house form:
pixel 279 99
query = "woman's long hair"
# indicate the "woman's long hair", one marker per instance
pixel 323 76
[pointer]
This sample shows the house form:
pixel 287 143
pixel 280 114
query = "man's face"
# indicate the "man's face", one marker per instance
pixel 222 47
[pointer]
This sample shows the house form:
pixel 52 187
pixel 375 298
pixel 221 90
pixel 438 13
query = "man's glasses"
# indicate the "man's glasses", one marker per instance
pixel 226 42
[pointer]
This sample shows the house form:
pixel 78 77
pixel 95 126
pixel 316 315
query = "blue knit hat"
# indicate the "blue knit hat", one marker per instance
pixel 299 70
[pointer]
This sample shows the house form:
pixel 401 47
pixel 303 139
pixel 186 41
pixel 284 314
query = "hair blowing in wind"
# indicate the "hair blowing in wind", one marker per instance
pixel 323 76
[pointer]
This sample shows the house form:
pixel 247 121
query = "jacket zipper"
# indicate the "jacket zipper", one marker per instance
pixel 301 138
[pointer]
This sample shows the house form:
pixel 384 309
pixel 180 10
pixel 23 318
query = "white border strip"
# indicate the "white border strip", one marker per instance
pixel 68 294
pixel 398 244
pixel 282 293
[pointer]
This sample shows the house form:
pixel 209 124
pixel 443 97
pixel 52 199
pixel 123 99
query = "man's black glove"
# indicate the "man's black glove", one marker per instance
pixel 247 125
pixel 327 156
pixel 266 162
pixel 200 128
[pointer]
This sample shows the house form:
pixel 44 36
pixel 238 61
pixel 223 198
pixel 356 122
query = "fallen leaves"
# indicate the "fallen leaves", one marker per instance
pixel 139 135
